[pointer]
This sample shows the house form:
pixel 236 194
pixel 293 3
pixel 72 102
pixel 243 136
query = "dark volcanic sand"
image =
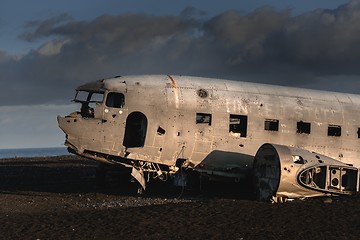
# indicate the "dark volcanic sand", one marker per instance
pixel 57 198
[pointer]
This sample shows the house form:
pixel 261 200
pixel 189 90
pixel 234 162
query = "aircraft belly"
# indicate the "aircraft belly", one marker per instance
pixel 226 164
pixel 150 154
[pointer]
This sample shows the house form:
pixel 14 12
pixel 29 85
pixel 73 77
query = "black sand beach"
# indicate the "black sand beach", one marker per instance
pixel 58 198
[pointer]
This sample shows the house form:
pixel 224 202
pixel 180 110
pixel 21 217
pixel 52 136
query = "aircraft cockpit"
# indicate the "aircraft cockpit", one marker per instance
pixel 89 95
pixel 92 94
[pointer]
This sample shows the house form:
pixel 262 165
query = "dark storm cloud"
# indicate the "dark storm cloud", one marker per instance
pixel 265 45
pixel 43 28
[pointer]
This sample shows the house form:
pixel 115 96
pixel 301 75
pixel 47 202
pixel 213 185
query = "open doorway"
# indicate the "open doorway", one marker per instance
pixel 135 130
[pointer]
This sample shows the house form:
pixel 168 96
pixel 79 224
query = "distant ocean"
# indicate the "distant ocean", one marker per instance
pixel 33 152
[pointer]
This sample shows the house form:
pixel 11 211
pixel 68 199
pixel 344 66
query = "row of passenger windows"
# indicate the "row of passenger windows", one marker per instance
pixel 305 128
pixel 238 125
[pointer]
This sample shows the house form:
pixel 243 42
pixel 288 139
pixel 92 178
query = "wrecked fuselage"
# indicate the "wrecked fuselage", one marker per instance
pixel 159 125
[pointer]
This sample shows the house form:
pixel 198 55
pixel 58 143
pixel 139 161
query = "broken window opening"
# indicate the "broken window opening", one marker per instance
pixel 358 132
pixel 238 125
pixel 203 118
pixel 161 131
pixel 88 102
pixel 303 127
pixel 271 125
pixel 115 100
pixel 334 130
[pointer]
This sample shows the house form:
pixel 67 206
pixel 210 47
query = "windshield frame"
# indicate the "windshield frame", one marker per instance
pixel 89 96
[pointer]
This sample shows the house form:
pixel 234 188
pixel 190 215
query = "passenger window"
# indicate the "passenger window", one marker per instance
pixel 358 132
pixel 238 125
pixel 203 118
pixel 303 127
pixel 115 100
pixel 334 130
pixel 271 125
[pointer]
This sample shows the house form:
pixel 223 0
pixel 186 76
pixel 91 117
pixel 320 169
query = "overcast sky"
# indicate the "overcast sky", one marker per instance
pixel 47 48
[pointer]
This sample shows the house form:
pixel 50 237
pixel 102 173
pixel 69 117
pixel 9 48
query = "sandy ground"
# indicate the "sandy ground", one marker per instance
pixel 58 198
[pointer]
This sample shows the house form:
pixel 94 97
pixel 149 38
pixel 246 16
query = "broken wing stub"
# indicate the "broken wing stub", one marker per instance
pixel 282 172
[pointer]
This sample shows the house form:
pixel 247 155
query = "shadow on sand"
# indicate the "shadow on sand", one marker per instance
pixel 71 174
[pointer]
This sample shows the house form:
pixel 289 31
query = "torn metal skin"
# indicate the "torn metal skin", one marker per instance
pixel 282 172
pixel 295 143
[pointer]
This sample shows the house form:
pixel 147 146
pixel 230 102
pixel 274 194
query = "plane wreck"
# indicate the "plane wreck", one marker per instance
pixel 292 143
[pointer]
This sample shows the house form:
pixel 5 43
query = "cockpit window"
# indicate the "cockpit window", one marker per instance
pixel 88 102
pixel 81 96
pixel 97 97
pixel 115 100
pixel 91 97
